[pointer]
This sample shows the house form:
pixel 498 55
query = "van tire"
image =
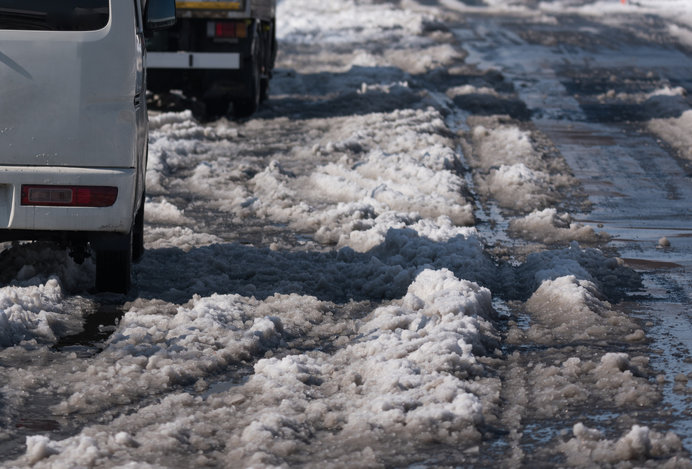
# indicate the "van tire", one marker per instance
pixel 138 234
pixel 114 267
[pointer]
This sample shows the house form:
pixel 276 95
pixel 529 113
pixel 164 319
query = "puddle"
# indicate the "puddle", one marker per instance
pixel 227 385
pixel 669 322
pixel 98 327
pixel 645 264
pixel 572 134
pixel 37 424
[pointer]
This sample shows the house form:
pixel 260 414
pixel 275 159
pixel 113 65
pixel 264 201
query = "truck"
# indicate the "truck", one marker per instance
pixel 219 53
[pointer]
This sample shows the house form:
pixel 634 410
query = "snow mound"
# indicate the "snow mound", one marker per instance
pixel 676 132
pixel 567 310
pixel 614 378
pixel 609 274
pixel 152 352
pixel 412 372
pixel 590 447
pixel 36 312
pixel 163 211
pixel 340 21
pixel 549 227
pixel 178 237
pixel 512 169
pixel 517 186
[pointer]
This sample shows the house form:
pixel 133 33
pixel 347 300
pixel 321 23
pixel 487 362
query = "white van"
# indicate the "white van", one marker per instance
pixel 73 126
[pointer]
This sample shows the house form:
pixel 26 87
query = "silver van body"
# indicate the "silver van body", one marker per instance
pixel 73 122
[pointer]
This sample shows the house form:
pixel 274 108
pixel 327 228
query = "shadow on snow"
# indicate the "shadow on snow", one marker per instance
pixel 383 273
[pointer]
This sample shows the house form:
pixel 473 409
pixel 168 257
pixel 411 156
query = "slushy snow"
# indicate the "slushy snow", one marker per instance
pixel 375 323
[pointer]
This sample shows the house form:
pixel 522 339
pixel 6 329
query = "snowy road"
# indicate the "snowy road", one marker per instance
pixel 607 110
pixel 456 235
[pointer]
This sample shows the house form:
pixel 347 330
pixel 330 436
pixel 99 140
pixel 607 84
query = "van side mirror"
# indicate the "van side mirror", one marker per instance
pixel 159 14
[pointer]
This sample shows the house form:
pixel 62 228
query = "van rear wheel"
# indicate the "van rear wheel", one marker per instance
pixel 114 266
pixel 138 234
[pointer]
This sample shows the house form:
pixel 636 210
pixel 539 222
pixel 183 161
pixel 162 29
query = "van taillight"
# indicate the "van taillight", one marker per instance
pixel 69 196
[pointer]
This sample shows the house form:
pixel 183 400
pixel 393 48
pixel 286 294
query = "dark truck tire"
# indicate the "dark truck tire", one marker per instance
pixel 247 105
pixel 264 89
pixel 114 265
pixel 216 107
pixel 270 57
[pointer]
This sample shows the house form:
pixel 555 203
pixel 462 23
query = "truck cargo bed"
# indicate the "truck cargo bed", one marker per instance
pixel 261 9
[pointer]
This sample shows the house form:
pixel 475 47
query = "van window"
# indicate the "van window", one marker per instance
pixel 54 15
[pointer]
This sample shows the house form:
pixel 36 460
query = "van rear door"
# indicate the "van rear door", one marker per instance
pixel 64 101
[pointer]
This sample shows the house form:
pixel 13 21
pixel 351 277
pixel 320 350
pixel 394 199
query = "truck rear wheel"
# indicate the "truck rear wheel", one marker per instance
pixel 216 107
pixel 264 89
pixel 114 266
pixel 247 105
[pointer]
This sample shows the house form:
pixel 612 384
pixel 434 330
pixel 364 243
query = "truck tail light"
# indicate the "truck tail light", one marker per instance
pixel 69 196
pixel 226 29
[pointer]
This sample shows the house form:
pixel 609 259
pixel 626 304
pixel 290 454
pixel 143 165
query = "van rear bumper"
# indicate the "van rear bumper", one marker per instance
pixel 20 220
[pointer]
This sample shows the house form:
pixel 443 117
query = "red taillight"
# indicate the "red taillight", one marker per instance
pixel 229 29
pixel 69 196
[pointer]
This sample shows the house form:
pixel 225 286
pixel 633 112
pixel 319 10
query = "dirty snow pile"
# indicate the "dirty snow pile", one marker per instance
pixel 550 227
pixel 590 446
pixel 383 382
pixel 34 307
pixel 350 34
pixel 518 178
pixel 34 312
pixel 675 131
pixel 373 185
pixel 514 173
pixel 677 12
